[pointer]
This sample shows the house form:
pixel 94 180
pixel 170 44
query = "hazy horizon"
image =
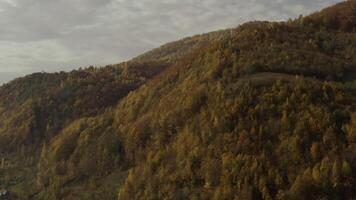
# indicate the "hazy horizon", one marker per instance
pixel 40 35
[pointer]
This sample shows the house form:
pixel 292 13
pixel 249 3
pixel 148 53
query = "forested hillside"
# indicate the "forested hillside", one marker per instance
pixel 266 110
pixel 36 108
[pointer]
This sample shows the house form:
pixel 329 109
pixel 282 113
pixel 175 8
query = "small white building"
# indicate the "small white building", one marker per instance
pixel 3 192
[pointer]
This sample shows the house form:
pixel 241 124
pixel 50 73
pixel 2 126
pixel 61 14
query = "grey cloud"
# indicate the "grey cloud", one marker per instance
pixel 53 35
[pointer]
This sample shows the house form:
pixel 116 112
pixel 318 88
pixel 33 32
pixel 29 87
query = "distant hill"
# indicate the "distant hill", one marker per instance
pixel 266 110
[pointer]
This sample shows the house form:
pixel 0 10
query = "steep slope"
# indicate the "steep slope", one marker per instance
pixel 36 108
pixel 263 111
pixel 44 108
pixel 268 113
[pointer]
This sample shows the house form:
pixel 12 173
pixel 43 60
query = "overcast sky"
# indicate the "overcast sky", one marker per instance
pixel 55 35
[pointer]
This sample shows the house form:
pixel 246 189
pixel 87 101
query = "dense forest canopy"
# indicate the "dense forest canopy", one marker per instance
pixel 266 110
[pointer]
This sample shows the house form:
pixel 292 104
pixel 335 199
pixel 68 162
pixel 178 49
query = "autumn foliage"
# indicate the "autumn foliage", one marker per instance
pixel 262 111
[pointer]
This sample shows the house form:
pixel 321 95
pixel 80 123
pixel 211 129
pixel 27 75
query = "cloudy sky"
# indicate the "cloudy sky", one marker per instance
pixel 54 35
